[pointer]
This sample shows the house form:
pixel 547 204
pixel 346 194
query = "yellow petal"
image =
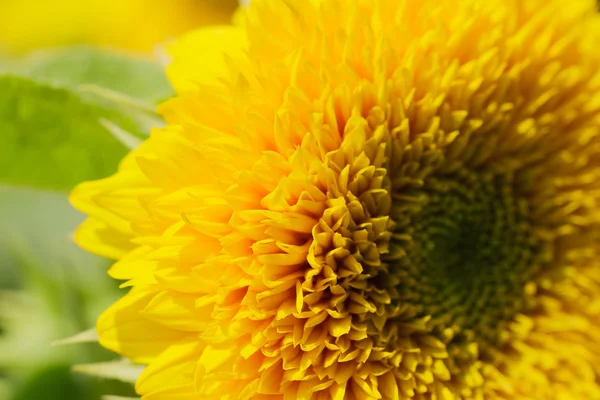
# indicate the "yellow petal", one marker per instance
pixel 122 325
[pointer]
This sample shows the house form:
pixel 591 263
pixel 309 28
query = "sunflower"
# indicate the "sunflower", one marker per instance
pixel 365 200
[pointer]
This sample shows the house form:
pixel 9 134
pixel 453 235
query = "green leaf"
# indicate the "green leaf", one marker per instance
pixel 56 289
pixel 51 383
pixel 55 117
pixel 52 137
pixel 72 67
pixel 5 389
pixel 37 253
pixel 87 336
pixel 143 113
pixel 57 382
pixel 128 139
pixel 123 370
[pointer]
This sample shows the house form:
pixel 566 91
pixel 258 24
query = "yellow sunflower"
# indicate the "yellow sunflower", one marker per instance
pixel 365 200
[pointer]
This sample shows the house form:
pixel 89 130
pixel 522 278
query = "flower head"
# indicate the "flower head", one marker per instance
pixel 365 200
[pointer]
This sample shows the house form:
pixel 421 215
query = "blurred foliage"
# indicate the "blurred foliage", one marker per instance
pixel 47 131
pixel 59 383
pixel 53 119
pixel 55 108
pixel 73 67
pixel 50 290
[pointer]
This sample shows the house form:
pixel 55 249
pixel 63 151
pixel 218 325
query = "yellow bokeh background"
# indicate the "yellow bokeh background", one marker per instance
pixel 129 24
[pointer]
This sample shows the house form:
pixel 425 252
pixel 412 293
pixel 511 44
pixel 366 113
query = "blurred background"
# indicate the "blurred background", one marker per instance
pixel 127 24
pixel 93 64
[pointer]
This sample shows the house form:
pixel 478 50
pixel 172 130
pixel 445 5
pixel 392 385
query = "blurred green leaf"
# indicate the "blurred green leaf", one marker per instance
pixel 126 138
pixel 110 78
pixel 53 138
pixel 137 77
pixel 5 389
pixel 87 336
pixel 57 382
pixel 52 383
pixel 123 370
pixel 57 290
pixel 36 245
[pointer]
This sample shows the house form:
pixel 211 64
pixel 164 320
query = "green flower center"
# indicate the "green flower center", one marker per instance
pixel 469 253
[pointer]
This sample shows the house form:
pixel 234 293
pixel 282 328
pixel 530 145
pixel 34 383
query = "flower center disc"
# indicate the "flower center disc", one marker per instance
pixel 469 255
